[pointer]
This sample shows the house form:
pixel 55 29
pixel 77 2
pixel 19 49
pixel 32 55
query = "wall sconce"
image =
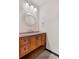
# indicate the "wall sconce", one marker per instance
pixel 30 7
pixel 35 9
pixel 27 5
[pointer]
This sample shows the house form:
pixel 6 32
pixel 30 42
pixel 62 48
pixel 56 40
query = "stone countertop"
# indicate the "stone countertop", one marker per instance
pixel 29 33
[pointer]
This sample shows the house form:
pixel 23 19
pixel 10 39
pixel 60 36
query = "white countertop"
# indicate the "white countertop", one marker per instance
pixel 29 34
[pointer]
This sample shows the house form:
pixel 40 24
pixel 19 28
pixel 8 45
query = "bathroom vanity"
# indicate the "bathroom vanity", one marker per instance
pixel 30 42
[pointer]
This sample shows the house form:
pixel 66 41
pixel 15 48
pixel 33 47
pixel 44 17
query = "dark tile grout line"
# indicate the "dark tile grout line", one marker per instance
pixel 52 52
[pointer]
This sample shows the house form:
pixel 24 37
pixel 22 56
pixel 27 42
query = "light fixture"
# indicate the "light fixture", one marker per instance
pixel 31 7
pixel 35 9
pixel 27 5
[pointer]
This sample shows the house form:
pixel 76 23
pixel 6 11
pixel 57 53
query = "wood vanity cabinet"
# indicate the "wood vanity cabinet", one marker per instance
pixel 24 46
pixel 29 43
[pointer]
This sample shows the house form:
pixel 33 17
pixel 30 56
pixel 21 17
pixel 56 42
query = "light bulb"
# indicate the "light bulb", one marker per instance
pixel 35 9
pixel 32 7
pixel 27 5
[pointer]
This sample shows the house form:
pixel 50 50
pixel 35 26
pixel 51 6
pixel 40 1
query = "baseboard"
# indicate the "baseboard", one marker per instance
pixel 52 52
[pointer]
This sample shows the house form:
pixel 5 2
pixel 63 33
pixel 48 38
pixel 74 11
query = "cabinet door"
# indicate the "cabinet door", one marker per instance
pixel 33 44
pixel 38 40
pixel 43 39
pixel 24 46
pixel 22 51
pixel 27 47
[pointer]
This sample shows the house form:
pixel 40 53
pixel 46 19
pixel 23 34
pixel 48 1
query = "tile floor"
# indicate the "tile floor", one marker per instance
pixel 47 55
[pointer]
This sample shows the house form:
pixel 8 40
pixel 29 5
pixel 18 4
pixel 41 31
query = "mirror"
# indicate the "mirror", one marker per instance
pixel 29 20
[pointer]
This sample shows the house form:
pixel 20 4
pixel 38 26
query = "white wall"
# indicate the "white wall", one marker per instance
pixel 49 19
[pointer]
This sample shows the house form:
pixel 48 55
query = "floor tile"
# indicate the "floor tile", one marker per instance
pixel 47 55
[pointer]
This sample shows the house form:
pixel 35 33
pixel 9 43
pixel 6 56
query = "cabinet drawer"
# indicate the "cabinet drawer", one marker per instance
pixel 23 41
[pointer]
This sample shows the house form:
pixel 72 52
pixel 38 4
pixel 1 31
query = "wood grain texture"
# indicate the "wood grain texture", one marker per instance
pixel 27 44
pixel 34 54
